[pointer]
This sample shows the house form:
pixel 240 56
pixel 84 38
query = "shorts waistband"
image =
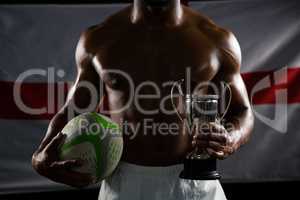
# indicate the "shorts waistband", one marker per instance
pixel 129 168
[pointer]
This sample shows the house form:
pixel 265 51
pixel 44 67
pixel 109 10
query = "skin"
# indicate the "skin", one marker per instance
pixel 154 44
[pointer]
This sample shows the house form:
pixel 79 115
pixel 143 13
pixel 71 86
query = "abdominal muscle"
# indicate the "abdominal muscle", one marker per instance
pixel 158 139
pixel 150 145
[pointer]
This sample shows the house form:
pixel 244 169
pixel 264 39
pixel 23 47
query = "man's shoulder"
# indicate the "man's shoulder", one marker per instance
pixel 224 40
pixel 197 17
pixel 99 36
pixel 101 33
pixel 208 27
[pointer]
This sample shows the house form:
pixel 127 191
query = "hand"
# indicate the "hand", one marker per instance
pixel 46 162
pixel 216 141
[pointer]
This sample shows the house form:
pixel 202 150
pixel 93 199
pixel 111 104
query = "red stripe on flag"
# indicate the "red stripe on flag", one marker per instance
pixel 35 95
pixel 267 96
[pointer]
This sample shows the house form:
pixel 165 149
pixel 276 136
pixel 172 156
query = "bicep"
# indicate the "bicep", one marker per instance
pixel 239 96
pixel 229 73
pixel 84 94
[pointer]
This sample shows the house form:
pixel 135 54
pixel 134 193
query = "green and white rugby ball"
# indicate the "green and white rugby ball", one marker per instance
pixel 95 139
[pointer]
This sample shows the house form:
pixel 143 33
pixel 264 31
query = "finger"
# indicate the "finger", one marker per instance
pixel 221 138
pixel 216 146
pixel 205 129
pixel 67 164
pixel 81 177
pixel 201 137
pixel 200 144
pixel 74 178
pixel 217 137
pixel 216 154
pixel 215 127
pixel 56 142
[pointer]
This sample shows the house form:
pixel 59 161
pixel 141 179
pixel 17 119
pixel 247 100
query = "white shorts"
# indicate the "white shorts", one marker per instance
pixel 134 182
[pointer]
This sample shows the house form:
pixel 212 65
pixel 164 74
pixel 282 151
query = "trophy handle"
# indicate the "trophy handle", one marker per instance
pixel 229 102
pixel 178 85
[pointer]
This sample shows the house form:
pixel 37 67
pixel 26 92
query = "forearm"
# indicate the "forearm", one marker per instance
pixel 56 124
pixel 240 126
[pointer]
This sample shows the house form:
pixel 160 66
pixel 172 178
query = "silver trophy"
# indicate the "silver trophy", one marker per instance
pixel 199 111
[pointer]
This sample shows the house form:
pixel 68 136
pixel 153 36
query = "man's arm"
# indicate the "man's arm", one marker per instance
pixel 225 140
pixel 45 159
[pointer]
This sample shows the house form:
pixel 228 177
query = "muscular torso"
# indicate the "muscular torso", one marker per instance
pixel 158 54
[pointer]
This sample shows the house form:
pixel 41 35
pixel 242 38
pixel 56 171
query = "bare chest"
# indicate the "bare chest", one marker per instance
pixel 157 56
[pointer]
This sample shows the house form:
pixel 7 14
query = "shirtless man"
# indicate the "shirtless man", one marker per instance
pixel 152 40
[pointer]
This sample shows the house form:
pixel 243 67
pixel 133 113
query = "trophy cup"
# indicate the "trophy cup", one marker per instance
pixel 199 110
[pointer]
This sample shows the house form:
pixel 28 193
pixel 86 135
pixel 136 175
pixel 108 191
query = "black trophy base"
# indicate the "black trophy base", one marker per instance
pixel 195 169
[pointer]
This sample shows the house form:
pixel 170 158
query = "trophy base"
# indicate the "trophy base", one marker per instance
pixel 195 169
